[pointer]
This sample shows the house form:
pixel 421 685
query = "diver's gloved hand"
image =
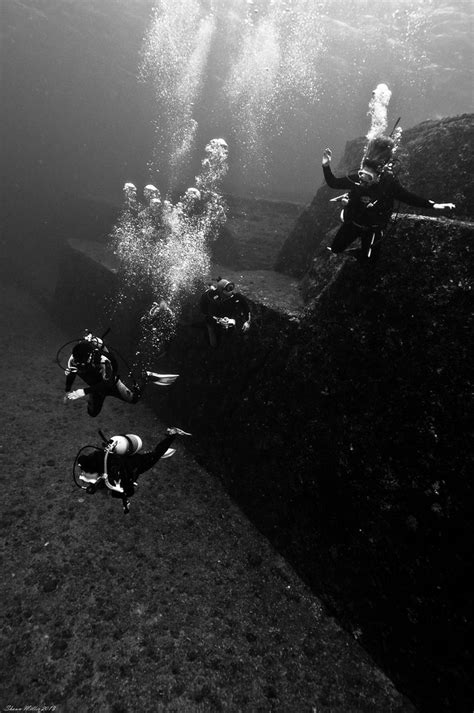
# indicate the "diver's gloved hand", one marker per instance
pixel 443 206
pixel 246 326
pixel 73 395
pixel 327 156
pixel 225 322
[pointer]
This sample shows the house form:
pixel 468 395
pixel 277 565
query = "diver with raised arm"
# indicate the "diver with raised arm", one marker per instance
pixel 368 205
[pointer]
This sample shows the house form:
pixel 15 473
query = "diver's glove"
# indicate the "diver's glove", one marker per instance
pixel 246 326
pixel 73 395
pixel 175 431
pixel 327 156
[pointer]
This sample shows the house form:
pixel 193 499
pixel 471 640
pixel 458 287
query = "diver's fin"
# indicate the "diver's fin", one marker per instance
pixel 162 382
pixel 170 452
pixel 154 375
pixel 162 379
pixel 175 431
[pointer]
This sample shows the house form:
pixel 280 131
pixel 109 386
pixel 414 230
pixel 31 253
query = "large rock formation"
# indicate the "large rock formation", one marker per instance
pixel 435 161
pixel 342 429
pixel 344 438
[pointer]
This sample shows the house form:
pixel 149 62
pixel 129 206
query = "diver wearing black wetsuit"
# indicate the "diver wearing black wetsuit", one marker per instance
pixel 369 204
pixel 124 470
pixel 98 368
pixel 224 309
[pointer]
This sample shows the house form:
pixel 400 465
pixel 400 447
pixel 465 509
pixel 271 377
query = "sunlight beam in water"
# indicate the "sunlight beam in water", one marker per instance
pixel 174 59
pixel 261 70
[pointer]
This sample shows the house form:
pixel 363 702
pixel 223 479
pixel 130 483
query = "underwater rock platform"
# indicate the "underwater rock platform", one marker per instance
pixel 340 427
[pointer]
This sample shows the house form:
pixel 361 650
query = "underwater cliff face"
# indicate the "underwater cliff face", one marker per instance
pixel 344 440
pixel 435 161
pixel 343 433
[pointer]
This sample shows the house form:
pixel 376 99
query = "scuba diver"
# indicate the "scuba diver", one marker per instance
pixel 118 464
pixel 368 205
pixel 224 310
pixel 92 360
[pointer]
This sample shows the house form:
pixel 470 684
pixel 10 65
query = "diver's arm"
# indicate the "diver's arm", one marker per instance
pixel 245 312
pixel 333 182
pixel 329 176
pixel 401 194
pixel 206 303
pixel 107 370
pixel 70 372
pixel 70 378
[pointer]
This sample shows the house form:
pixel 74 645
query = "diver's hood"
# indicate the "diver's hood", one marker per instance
pixel 225 285
pixel 379 152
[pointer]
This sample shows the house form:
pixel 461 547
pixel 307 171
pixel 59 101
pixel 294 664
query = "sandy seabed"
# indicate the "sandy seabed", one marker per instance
pixel 179 606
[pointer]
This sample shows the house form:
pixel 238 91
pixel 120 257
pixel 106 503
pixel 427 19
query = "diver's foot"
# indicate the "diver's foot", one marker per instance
pixel 170 452
pixel 175 431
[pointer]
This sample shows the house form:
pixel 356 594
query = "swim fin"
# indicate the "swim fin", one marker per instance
pixel 161 379
pixel 170 452
pixel 175 431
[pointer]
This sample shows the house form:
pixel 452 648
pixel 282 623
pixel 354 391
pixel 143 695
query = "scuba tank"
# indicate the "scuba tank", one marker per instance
pixel 125 445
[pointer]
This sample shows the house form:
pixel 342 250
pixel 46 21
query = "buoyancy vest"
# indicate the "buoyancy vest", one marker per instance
pixel 370 205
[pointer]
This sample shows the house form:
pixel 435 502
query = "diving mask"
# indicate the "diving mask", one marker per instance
pixel 367 176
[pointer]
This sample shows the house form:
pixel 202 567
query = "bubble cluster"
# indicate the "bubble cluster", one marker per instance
pixel 380 146
pixel 274 78
pixel 163 248
pixel 174 58
pixel 378 107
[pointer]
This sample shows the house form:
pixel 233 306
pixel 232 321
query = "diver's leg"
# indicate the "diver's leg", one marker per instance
pixel 144 461
pixel 346 235
pixel 95 402
pixel 212 332
pixel 122 392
